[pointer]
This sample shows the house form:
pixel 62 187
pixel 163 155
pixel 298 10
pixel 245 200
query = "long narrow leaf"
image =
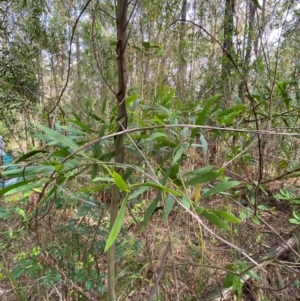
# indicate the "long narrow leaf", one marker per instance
pixel 236 108
pixel 30 154
pixel 221 187
pixel 81 125
pixel 23 188
pixel 138 192
pixel 177 154
pixel 58 139
pixel 160 187
pixel 185 201
pixel 15 186
pixel 227 216
pixel 70 165
pixel 169 204
pixel 205 177
pixel 215 220
pixel 199 171
pixel 150 211
pixel 203 113
pixel 116 227
pixel 119 181
pixel 28 171
pixel 74 130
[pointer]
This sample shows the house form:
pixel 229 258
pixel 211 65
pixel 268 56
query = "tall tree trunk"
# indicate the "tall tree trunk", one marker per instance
pixel 121 17
pixel 246 60
pixel 228 47
pixel 78 72
pixel 182 67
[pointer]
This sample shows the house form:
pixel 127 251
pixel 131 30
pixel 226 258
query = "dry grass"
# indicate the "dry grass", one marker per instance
pixel 192 267
pixel 194 263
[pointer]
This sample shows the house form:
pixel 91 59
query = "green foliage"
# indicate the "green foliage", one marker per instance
pixel 82 165
pixel 75 247
pixel 116 227
pixel 287 195
pixel 76 159
pixel 18 88
pixel 296 219
pixel 233 277
pixel 70 160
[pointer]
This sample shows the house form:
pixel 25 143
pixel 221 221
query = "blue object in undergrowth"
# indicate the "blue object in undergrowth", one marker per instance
pixel 6 160
pixel 8 182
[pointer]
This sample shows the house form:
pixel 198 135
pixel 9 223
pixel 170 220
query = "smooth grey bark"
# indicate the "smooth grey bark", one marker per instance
pixel 249 37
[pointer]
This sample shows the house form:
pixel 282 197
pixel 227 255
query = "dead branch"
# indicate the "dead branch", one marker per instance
pixel 274 253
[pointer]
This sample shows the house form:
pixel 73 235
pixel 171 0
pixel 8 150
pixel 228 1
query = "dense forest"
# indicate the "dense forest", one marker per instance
pixel 150 150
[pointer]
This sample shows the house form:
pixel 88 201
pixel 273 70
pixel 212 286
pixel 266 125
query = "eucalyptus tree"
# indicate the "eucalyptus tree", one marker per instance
pixel 228 48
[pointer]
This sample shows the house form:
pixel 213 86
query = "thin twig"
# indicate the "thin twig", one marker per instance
pixel 154 288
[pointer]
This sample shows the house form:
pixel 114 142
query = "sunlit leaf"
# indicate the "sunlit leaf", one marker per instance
pixel 20 211
pixel 17 185
pixel 263 207
pixel 255 220
pixel 116 227
pixel 296 215
pixel 294 221
pixel 119 181
pixel 129 100
pixel 213 219
pixel 104 179
pixel 226 215
pixel 185 201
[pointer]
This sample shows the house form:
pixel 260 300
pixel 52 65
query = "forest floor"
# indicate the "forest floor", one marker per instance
pixel 195 261
pixel 194 271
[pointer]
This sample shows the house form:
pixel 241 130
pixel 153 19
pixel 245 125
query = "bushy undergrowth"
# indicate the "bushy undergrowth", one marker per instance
pixel 57 214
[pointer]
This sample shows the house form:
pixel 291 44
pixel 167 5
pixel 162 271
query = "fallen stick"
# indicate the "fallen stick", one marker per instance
pixel 274 253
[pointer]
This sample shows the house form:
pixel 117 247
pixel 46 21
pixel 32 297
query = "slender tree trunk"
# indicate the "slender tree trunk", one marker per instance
pixel 246 61
pixel 121 16
pixel 182 67
pixel 228 47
